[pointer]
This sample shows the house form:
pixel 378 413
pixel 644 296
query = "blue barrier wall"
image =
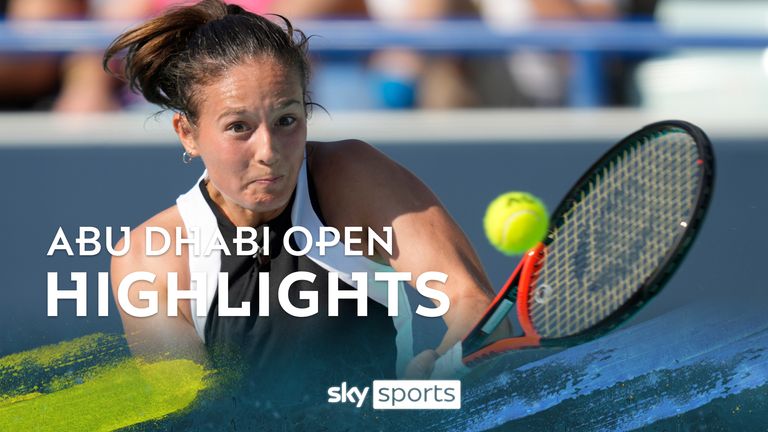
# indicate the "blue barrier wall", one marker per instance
pixel 70 187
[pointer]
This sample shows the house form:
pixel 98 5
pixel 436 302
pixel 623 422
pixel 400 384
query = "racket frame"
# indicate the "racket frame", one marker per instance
pixel 517 289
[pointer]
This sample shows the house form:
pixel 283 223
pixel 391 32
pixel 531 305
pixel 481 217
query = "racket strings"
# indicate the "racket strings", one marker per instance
pixel 624 223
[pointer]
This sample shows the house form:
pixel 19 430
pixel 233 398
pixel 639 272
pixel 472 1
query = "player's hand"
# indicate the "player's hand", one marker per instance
pixel 422 365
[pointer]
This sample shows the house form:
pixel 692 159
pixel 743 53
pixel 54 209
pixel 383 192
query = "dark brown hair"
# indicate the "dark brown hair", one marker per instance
pixel 168 56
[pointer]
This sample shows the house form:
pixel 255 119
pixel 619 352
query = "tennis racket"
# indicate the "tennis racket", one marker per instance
pixel 614 241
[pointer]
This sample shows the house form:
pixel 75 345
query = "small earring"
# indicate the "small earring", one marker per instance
pixel 186 157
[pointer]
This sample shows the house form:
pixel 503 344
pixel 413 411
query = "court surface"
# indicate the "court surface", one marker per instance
pixel 682 360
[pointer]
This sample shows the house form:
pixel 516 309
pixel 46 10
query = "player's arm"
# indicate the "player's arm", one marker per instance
pixel 425 236
pixel 159 335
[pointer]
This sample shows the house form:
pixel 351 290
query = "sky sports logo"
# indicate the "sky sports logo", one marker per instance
pixel 401 394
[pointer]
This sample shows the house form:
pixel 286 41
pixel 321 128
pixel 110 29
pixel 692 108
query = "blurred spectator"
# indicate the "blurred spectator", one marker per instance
pixel 526 78
pixel 621 69
pixel 76 82
pixel 543 78
pixel 540 77
pixel 33 81
pixel 407 79
pixel 402 78
pixel 293 9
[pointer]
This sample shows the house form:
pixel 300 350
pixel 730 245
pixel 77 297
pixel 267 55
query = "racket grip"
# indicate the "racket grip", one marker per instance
pixel 450 364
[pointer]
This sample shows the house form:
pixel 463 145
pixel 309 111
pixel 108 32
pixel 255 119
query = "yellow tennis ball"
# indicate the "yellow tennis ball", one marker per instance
pixel 515 222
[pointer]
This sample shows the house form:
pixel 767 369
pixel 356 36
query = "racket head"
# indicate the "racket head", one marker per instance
pixel 586 278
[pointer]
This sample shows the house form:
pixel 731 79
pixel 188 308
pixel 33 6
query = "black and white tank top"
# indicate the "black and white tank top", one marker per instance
pixel 377 345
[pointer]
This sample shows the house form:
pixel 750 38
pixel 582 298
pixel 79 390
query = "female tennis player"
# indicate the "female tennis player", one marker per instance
pixel 237 84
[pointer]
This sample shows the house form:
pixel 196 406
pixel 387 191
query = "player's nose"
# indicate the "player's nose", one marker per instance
pixel 266 146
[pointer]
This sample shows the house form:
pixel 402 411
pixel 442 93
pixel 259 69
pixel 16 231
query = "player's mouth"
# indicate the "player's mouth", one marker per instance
pixel 268 180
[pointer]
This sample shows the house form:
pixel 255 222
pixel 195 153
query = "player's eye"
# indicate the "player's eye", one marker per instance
pixel 237 127
pixel 286 121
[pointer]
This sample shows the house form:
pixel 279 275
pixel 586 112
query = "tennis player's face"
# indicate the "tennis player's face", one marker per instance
pixel 251 133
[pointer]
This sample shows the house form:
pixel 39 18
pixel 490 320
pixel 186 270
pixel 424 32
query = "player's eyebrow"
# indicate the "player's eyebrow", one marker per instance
pixel 241 109
pixel 287 103
pixel 230 111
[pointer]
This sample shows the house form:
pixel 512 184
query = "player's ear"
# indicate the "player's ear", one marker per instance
pixel 186 132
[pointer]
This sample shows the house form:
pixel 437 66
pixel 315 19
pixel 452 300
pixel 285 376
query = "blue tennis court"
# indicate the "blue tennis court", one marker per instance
pixel 55 186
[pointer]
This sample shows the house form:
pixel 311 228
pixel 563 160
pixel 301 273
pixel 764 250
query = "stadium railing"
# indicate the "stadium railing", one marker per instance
pixel 586 42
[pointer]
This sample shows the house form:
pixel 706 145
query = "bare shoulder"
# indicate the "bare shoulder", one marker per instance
pixel 354 167
pixel 358 185
pixel 337 160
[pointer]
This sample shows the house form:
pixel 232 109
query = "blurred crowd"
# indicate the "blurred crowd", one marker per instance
pixel 395 78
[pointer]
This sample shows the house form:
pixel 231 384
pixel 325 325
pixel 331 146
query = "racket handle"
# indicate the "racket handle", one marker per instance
pixel 450 364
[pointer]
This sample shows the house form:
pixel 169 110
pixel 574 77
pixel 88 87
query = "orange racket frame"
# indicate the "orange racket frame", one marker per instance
pixel 518 285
